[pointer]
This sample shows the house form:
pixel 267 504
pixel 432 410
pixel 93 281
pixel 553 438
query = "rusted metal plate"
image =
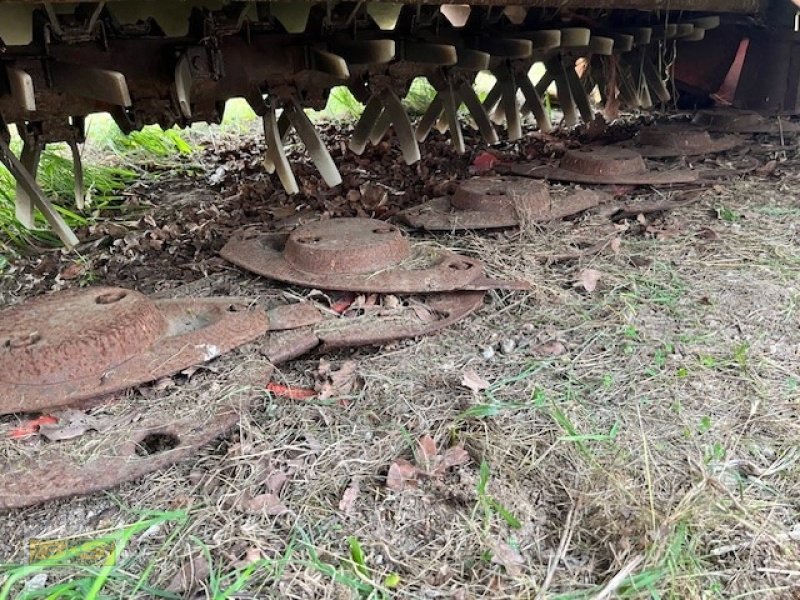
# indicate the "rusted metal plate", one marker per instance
pixel 728 120
pixel 496 202
pixel 364 255
pixel 50 472
pixel 293 316
pixel 667 141
pixel 70 346
pixel 603 165
pixel 416 316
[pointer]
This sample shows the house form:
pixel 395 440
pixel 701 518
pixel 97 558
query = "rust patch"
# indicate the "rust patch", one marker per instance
pixel 668 141
pixel 604 165
pixel 67 347
pixel 498 202
pixel 363 255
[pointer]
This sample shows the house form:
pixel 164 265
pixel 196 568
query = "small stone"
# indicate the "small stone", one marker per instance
pixel 508 345
pixel 488 352
pixel 528 328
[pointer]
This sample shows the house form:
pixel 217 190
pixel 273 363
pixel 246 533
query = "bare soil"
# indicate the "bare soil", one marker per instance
pixel 638 439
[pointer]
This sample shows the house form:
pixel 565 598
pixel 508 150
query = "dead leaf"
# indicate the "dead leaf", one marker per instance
pixel 194 571
pixel 275 481
pixel 708 234
pixel 474 381
pixel 402 475
pixel 348 501
pixel 427 453
pixel 503 554
pixel 70 424
pixel 72 271
pixel 587 279
pixel 335 382
pixel 615 245
pixel 554 348
pixel 767 169
pixel 251 556
pixel 262 503
pixel 455 456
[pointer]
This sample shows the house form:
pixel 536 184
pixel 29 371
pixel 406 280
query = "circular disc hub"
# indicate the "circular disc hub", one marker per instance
pixel 674 139
pixel 346 246
pixel 605 161
pixel 84 333
pixel 498 193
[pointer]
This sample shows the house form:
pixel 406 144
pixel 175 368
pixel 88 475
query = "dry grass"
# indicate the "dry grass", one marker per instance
pixel 655 458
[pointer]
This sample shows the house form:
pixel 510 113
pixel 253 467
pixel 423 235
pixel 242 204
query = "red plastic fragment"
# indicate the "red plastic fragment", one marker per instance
pixel 31 427
pixel 485 161
pixel 291 392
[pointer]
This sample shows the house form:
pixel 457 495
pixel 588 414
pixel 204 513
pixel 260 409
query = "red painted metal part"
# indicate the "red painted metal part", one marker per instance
pixel 70 346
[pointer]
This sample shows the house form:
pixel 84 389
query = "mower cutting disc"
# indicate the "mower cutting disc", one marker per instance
pixel 604 165
pixel 670 141
pixel 495 202
pixel 363 255
pixel 78 344
pixel 728 120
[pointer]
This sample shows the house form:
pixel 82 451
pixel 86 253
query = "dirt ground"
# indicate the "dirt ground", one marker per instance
pixel 638 439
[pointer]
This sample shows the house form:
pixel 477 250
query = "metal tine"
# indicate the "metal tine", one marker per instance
pixel 509 102
pixel 579 95
pixel 77 166
pixel 533 103
pixel 493 98
pixel 28 184
pixel 451 114
pixel 654 82
pixel 556 68
pixel 29 158
pixel 380 128
pixel 284 125
pixel 402 126
pixel 276 152
pixel 313 143
pixel 430 117
pixel 478 112
pixel 363 129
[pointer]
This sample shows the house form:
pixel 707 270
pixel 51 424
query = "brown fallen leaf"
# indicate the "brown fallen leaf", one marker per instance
pixel 503 554
pixel 348 501
pixel 707 233
pixel 262 503
pixel 615 245
pixel 71 424
pixel 455 456
pixel 251 556
pixel 402 475
pixel 767 169
pixel 474 381
pixel 72 271
pixel 427 452
pixel 192 573
pixel 554 348
pixel 587 279
pixel 335 382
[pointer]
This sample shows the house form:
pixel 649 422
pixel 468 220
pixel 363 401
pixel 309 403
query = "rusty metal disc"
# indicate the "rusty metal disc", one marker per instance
pixel 727 120
pixel 668 141
pixel 603 165
pixel 74 345
pixel 364 255
pixel 496 202
pixel 159 441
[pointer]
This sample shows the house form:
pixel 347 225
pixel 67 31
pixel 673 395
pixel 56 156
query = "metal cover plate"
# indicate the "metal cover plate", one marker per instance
pixel 671 141
pixel 363 255
pixel 49 360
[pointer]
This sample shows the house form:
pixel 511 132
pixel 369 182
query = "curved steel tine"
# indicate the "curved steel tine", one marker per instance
pixel 556 68
pixel 28 184
pixel 509 88
pixel 362 130
pixel 533 103
pixel 276 153
pixel 478 112
pixel 402 127
pixel 284 125
pixel 314 144
pixel 544 83
pixel 29 159
pixel 451 105
pixel 579 95
pixel 430 117
pixel 492 98
pixel 77 165
pixel 380 128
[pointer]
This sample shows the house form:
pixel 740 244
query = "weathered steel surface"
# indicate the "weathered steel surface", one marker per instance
pixel 432 313
pixel 604 165
pixel 664 141
pixel 724 120
pixel 494 202
pixel 49 472
pixel 363 255
pixel 71 346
